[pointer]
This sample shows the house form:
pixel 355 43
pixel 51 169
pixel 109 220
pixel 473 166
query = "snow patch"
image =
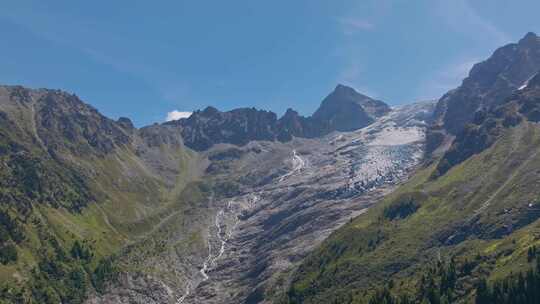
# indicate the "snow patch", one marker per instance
pixel 526 83
pixel 397 136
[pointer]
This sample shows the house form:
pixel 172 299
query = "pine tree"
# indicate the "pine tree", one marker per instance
pixel 482 293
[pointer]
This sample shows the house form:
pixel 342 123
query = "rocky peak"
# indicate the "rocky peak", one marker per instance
pixel 61 115
pixel 490 82
pixel 529 39
pixel 290 113
pixel 374 108
pixel 343 110
pixel 208 127
pixel 293 124
pixel 344 90
pixel 291 119
pixel 489 124
pixel 346 110
pixel 209 111
pixel 126 123
pixel 60 122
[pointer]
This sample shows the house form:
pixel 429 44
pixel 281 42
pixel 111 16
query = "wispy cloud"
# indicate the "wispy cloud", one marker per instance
pixel 352 26
pixel 364 16
pixel 175 115
pixel 446 78
pixel 359 19
pixel 351 75
pixel 164 82
pixel 462 17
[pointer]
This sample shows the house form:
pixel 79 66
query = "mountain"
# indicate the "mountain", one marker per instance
pixel 95 210
pixel 292 124
pixel 295 195
pixel 76 188
pixel 347 110
pixel 489 124
pixel 208 127
pixel 343 110
pixel 463 225
pixel 244 207
pixel 489 83
pixel 262 197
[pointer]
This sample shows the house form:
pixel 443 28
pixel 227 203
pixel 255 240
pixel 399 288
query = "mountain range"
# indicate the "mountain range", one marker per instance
pixel 343 110
pixel 434 201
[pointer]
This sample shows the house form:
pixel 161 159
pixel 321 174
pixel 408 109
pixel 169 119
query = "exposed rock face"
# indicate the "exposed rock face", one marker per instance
pixel 210 126
pixel 488 125
pixel 528 99
pixel 158 135
pixel 490 83
pixel 138 289
pixel 61 121
pixel 347 110
pixel 62 116
pixel 343 110
pixel 126 123
pixel 61 126
pixel 293 124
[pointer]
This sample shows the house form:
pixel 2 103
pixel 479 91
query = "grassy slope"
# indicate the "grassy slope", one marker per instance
pixel 130 214
pixel 129 203
pixel 371 249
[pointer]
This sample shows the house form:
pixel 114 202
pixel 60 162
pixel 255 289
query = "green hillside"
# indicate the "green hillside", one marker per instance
pixel 477 211
pixel 76 188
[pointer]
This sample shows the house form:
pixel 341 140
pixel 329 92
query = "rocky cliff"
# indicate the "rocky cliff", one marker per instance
pixel 343 110
pixel 347 110
pixel 489 83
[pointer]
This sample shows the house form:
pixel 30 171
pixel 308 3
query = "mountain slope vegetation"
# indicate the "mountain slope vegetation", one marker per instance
pixel 473 210
pixel 226 207
pixel 94 209
pixel 75 188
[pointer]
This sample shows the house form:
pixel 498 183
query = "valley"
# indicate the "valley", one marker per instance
pixel 429 202
pixel 262 233
pixel 290 197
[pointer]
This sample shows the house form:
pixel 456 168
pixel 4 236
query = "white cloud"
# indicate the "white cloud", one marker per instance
pixel 175 115
pixel 350 73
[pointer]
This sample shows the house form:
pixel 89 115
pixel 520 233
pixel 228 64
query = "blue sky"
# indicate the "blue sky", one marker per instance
pixel 143 59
